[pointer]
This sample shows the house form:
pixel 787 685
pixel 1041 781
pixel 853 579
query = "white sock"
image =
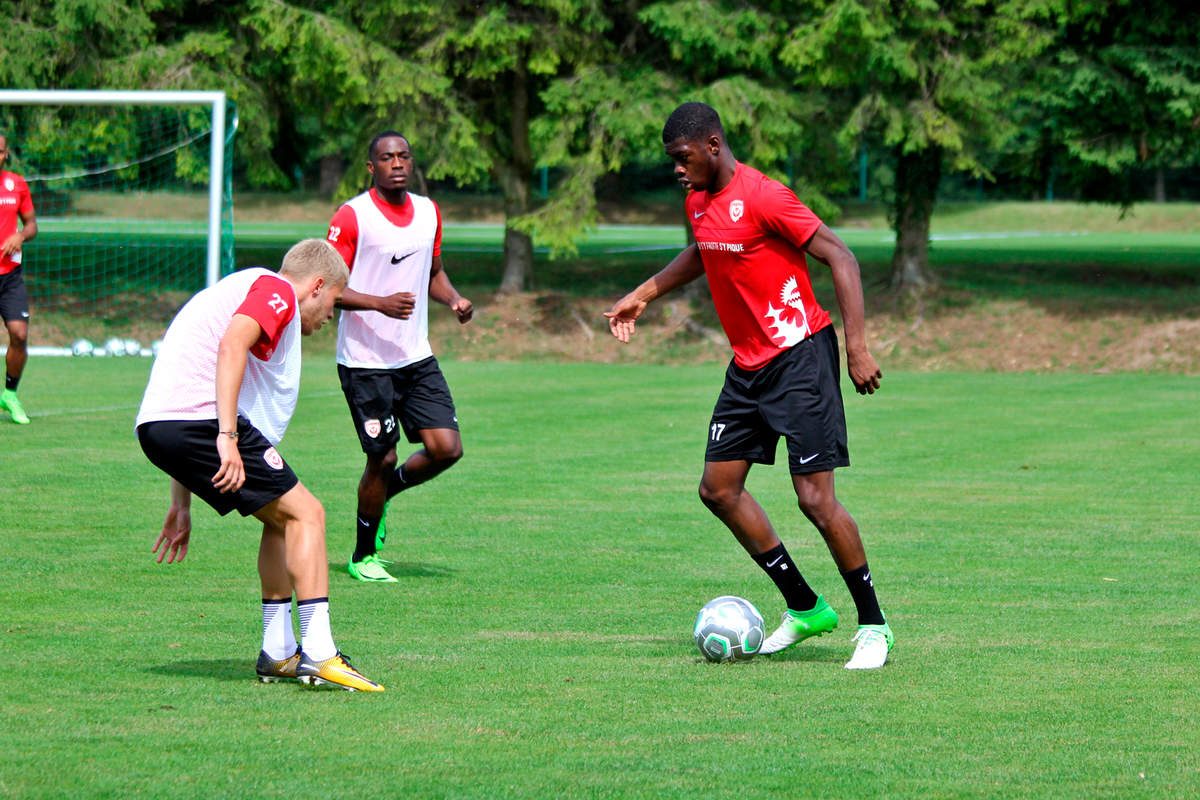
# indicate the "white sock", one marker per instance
pixel 315 637
pixel 279 640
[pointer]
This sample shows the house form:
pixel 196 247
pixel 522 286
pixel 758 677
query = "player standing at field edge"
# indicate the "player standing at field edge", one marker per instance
pixel 220 396
pixel 391 239
pixel 14 300
pixel 752 235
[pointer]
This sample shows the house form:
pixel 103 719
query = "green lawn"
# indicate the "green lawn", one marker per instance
pixel 1033 540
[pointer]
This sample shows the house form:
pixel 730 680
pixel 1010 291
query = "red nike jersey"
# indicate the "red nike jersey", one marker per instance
pixel 752 236
pixel 14 200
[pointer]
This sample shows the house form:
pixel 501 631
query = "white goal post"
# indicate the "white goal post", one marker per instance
pixel 214 99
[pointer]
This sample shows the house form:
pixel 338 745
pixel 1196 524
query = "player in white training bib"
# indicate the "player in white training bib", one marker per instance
pixel 221 393
pixel 391 239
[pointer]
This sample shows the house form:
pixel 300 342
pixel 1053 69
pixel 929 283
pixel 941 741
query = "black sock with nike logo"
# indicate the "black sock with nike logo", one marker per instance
pixel 862 589
pixel 779 567
pixel 365 533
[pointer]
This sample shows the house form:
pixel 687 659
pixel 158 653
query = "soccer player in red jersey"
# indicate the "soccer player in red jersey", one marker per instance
pixel 15 203
pixel 752 237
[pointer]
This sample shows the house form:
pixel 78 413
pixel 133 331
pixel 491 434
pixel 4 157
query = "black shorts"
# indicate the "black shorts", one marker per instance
pixel 187 451
pixel 795 395
pixel 14 300
pixel 416 396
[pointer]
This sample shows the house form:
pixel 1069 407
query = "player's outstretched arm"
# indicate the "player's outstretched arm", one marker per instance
pixel 683 269
pixel 443 291
pixel 828 248
pixel 177 527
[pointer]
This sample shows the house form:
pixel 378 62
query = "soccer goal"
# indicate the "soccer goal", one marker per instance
pixel 134 203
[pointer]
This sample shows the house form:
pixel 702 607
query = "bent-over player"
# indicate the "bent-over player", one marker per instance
pixel 220 396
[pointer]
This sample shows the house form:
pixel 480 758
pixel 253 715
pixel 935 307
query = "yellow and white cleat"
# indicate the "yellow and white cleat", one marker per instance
pixel 336 671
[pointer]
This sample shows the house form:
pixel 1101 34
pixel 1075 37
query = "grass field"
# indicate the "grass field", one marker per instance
pixel 1033 540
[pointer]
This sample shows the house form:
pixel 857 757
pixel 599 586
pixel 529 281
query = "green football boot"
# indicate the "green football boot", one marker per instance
pixel 381 531
pixel 10 403
pixel 370 570
pixel 796 626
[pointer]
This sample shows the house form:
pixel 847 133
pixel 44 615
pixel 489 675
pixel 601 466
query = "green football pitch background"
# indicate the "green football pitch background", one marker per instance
pixel 1032 537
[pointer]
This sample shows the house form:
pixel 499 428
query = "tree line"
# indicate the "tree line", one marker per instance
pixel 494 90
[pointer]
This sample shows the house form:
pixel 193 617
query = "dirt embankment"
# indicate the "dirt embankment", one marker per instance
pixel 1003 336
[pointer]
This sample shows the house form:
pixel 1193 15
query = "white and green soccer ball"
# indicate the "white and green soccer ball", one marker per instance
pixel 729 629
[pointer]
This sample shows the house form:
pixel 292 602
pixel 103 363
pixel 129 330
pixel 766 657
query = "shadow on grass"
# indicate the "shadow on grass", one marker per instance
pixel 400 569
pixel 222 669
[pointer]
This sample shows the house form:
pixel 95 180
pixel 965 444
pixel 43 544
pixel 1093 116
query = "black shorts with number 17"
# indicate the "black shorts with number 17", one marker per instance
pixel 795 395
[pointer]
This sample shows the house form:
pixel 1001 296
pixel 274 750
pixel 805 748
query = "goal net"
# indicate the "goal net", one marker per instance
pixel 134 205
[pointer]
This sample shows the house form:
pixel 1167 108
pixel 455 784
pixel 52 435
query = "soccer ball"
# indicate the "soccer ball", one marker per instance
pixel 729 629
pixel 115 347
pixel 132 347
pixel 82 348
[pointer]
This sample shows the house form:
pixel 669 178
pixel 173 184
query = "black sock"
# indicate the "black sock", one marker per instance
pixel 365 536
pixel 778 565
pixel 10 382
pixel 396 484
pixel 862 589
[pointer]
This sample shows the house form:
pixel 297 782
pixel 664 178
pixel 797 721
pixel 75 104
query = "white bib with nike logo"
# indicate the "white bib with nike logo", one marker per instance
pixel 389 259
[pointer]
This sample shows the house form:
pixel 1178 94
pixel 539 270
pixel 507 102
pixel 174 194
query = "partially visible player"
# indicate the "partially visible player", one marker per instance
pixel 392 241
pixel 752 235
pixel 15 203
pixel 221 393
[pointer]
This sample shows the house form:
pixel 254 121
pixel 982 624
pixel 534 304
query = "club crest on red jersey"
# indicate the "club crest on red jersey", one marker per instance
pixel 736 209
pixel 790 322
pixel 9 185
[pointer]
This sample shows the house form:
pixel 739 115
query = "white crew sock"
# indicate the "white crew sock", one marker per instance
pixel 279 640
pixel 315 637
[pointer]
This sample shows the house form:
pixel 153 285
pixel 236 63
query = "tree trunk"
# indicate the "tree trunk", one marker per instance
pixel 1160 185
pixel 516 179
pixel 917 178
pixel 333 168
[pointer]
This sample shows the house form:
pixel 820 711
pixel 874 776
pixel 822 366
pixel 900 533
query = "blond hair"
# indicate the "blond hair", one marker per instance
pixel 315 257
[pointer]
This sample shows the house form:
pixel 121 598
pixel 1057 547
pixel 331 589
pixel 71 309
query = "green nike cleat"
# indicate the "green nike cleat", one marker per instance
pixel 796 626
pixel 381 531
pixel 10 403
pixel 370 570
